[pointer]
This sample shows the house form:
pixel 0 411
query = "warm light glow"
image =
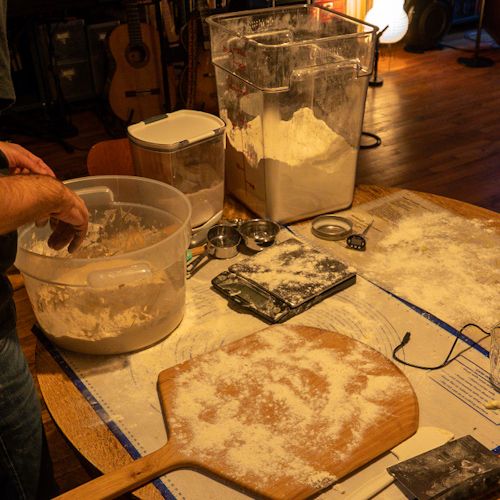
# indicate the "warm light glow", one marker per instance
pixel 389 13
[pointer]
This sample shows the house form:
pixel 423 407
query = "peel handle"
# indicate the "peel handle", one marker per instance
pixel 129 477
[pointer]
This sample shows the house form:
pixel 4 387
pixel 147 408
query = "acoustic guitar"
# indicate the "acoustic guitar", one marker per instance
pixel 135 91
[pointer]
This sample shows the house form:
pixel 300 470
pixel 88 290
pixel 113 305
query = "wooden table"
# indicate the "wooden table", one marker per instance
pixel 71 411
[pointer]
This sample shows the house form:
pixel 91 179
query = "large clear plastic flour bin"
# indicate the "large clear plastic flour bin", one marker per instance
pixel 185 149
pixel 291 85
pixel 124 288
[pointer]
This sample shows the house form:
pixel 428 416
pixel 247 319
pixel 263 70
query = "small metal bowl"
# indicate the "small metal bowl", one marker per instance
pixel 223 241
pixel 258 234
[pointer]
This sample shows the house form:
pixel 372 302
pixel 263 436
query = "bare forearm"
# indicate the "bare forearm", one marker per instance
pixel 28 198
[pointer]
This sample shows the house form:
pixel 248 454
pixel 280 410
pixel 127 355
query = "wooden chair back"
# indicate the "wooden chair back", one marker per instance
pixel 111 157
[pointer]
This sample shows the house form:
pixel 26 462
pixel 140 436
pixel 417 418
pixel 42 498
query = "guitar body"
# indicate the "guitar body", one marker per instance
pixel 135 90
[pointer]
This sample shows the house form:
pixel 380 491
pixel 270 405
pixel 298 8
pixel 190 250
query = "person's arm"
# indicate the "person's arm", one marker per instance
pixel 28 198
pixel 21 161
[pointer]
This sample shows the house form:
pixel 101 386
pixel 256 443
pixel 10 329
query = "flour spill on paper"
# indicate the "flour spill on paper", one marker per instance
pixel 259 410
pixel 443 263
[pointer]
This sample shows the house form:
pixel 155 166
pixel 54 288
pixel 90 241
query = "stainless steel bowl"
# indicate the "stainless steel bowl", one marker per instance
pixel 223 241
pixel 258 234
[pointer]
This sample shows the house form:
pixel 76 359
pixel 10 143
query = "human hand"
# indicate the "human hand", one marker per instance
pixel 69 222
pixel 22 161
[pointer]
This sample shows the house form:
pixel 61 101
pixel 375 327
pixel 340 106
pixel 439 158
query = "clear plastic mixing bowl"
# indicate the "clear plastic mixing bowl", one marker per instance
pixel 124 289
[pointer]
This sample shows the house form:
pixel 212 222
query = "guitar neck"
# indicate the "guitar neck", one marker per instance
pixel 133 22
pixel 203 7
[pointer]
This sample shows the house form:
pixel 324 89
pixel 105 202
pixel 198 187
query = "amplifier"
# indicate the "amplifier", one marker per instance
pixel 68 41
pixel 75 80
pixel 65 60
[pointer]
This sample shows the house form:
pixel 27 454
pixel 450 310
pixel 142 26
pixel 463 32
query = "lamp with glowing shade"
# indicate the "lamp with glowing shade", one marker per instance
pixel 392 21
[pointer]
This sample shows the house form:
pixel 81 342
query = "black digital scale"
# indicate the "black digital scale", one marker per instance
pixel 459 469
pixel 283 280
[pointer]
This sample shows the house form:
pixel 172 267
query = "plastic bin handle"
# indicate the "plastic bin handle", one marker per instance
pixel 98 195
pixel 119 275
pixel 345 67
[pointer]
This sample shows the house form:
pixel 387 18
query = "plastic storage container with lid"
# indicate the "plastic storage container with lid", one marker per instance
pixel 186 150
pixel 124 288
pixel 291 85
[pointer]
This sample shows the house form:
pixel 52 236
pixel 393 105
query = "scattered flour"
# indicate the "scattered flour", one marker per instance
pixel 292 271
pixel 273 409
pixel 291 169
pixel 443 263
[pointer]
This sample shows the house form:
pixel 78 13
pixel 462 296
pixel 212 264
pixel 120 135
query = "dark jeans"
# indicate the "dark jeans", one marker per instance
pixel 20 421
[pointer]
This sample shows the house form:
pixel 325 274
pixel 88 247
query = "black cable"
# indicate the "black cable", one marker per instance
pixel 376 144
pixel 447 361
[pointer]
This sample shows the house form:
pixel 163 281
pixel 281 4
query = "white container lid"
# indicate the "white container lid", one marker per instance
pixel 175 130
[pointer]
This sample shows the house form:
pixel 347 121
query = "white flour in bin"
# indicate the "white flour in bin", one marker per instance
pixel 261 411
pixel 76 314
pixel 206 203
pixel 304 169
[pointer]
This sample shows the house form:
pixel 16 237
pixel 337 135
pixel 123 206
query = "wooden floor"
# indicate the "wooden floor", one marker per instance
pixel 439 122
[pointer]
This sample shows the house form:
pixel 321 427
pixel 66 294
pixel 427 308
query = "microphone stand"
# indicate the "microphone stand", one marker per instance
pixel 477 61
pixel 375 82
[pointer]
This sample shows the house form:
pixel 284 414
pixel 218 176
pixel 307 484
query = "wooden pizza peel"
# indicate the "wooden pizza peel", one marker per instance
pixel 282 413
